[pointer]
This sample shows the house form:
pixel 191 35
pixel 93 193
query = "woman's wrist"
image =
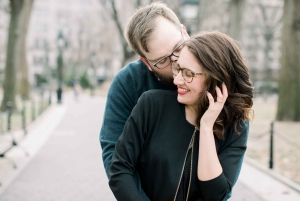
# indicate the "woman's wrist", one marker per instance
pixel 205 129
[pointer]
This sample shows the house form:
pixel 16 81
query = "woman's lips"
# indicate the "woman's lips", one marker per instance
pixel 182 91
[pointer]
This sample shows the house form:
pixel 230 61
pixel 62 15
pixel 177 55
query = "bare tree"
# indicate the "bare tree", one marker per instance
pixel 4 13
pixel 271 23
pixel 23 84
pixel 236 8
pixel 288 108
pixel 4 5
pixel 16 50
pixel 11 64
pixel 110 6
pixel 213 15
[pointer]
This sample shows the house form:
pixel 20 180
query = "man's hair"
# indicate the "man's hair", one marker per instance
pixel 222 61
pixel 142 24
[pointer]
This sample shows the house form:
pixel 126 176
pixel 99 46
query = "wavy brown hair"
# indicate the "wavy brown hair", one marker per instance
pixel 222 61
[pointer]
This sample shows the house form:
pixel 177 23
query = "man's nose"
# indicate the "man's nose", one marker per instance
pixel 173 57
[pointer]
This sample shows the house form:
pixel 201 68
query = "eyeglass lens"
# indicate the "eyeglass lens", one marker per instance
pixel 186 73
pixel 167 60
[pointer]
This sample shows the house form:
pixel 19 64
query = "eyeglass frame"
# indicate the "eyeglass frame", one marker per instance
pixel 181 70
pixel 169 55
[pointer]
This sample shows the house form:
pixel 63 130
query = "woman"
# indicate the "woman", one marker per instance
pixel 187 145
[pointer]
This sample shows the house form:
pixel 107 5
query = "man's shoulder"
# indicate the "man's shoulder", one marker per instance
pixel 137 78
pixel 136 67
pixel 160 95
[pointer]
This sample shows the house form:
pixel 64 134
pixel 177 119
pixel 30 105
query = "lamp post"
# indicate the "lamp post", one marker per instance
pixel 59 62
pixel 48 71
pixel 190 12
pixel 93 73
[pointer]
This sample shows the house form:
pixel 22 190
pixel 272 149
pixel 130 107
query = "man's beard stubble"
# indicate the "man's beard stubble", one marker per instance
pixel 167 81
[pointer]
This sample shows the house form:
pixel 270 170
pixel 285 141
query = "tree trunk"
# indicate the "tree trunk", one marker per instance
pixel 127 51
pixel 23 83
pixel 9 85
pixel 236 8
pixel 288 108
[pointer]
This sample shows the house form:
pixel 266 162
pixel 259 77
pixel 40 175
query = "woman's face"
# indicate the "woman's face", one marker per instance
pixel 188 93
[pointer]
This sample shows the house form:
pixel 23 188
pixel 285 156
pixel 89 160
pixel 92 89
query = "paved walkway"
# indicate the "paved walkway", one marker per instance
pixel 65 161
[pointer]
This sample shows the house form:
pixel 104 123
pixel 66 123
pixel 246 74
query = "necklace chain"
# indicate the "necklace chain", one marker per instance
pixel 191 146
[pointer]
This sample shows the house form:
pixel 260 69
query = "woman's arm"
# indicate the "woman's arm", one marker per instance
pixel 209 166
pixel 218 172
pixel 230 157
pixel 126 154
pixel 213 183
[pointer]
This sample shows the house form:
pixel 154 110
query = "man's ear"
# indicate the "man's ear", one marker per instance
pixel 184 32
pixel 146 63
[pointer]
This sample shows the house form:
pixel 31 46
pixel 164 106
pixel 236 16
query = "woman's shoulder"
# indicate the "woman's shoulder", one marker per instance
pixel 242 129
pixel 161 92
pixel 233 138
pixel 160 95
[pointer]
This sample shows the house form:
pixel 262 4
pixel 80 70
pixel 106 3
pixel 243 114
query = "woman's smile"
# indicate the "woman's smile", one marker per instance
pixel 182 91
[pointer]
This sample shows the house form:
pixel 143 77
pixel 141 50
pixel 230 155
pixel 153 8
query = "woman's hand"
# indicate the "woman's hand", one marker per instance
pixel 209 166
pixel 209 117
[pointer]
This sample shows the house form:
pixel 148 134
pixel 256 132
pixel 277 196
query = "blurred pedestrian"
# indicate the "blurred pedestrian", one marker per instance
pixel 76 88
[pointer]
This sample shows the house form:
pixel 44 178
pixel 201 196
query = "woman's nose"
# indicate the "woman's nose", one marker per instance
pixel 178 79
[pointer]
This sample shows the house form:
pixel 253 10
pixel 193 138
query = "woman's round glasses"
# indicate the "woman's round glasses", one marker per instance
pixel 187 74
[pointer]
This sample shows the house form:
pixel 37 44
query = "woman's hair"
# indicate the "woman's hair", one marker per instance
pixel 143 23
pixel 221 61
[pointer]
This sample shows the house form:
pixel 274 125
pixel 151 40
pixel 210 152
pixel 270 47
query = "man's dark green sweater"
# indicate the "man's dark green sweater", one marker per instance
pixel 128 85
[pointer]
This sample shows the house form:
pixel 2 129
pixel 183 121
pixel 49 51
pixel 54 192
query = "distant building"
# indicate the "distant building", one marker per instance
pixel 88 40
pixel 76 20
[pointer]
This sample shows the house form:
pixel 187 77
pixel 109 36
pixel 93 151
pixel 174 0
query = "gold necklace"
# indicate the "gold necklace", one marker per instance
pixel 191 146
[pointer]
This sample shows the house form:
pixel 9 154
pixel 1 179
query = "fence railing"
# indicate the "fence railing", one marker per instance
pixel 274 133
pixel 11 134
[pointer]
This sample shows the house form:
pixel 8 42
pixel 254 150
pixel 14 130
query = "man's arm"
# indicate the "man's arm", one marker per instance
pixel 123 94
pixel 119 104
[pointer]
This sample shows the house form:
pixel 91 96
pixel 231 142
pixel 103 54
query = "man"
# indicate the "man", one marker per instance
pixel 155 33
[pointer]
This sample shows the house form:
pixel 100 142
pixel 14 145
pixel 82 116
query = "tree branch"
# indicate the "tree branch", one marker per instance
pixel 4 5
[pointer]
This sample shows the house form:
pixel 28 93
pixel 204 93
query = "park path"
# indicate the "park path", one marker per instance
pixel 68 164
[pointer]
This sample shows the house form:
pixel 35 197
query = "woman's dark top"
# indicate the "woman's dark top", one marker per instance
pixel 154 143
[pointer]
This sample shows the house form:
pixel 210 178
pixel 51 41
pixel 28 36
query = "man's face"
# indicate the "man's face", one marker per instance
pixel 165 38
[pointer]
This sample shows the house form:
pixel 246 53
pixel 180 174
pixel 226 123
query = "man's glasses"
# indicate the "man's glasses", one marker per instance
pixel 187 74
pixel 165 61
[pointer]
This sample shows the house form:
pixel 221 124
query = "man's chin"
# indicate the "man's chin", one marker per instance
pixel 167 81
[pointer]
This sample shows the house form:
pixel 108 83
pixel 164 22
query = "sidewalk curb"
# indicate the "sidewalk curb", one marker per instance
pixel 38 133
pixel 273 174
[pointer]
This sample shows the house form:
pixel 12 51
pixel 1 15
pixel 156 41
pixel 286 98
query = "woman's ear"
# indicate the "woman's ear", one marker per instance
pixel 146 63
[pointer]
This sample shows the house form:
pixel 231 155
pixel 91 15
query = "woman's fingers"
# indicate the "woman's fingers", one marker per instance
pixel 222 95
pixel 219 95
pixel 210 98
pixel 214 108
pixel 224 91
